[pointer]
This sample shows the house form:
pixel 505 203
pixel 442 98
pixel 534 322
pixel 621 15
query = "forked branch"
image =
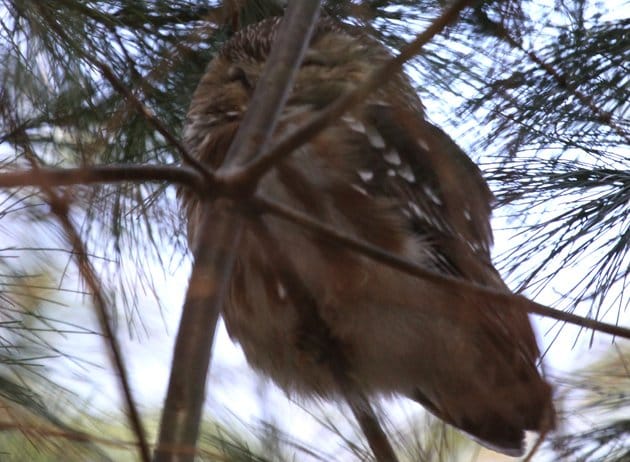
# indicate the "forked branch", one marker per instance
pixel 214 252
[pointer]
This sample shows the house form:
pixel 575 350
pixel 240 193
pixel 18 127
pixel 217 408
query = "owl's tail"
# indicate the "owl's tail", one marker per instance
pixel 499 424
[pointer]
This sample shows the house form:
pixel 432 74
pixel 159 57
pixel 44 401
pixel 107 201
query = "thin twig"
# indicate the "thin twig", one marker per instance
pixel 275 84
pixel 59 208
pixel 394 261
pixel 252 172
pixel 371 428
pixel 532 452
pixel 150 116
pixel 54 177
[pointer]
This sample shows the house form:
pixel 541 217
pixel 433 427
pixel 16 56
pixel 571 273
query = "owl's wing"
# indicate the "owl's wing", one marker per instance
pixel 444 197
pixel 447 204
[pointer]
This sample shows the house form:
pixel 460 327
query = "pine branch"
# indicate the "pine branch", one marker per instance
pixel 59 207
pixel 34 431
pixel 602 115
pixel 181 415
pixel 138 105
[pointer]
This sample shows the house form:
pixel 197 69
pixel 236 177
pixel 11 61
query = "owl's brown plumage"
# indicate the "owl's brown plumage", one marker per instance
pixel 384 174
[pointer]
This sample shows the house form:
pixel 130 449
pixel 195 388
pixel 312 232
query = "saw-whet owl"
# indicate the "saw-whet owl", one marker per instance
pixel 384 174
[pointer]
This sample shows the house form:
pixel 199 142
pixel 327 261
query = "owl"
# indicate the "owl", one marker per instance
pixel 299 304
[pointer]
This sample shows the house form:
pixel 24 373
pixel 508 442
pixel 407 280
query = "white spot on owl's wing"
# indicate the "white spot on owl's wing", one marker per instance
pixel 358 188
pixel 415 209
pixel 431 195
pixel 423 144
pixel 365 175
pixel 406 173
pixel 392 157
pixel 281 290
pixel 375 138
pixel 354 124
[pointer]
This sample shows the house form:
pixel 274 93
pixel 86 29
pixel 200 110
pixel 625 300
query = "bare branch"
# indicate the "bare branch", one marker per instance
pixel 215 249
pixel 214 257
pixel 273 87
pixel 394 261
pixel 54 177
pixel 376 437
pixel 51 177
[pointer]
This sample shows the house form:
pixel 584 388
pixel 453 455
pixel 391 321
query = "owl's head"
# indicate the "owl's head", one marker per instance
pixel 336 61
